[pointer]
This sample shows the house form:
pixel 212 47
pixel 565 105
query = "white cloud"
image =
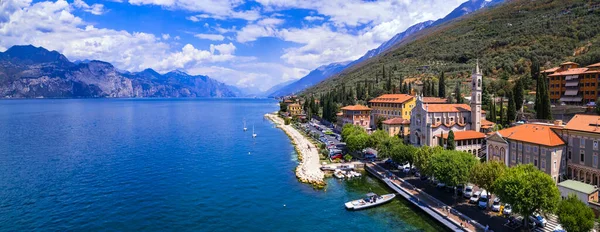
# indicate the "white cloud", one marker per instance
pixel 215 37
pixel 215 9
pixel 314 18
pixel 166 36
pixel 96 9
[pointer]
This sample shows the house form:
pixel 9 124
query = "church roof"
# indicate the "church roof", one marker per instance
pixel 434 100
pixel 533 133
pixel 391 98
pixel 442 108
pixel 464 135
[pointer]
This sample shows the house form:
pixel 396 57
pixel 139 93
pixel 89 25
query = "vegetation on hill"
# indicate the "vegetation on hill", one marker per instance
pixel 506 39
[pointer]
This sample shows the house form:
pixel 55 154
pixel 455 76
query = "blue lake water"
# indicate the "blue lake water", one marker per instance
pixel 168 165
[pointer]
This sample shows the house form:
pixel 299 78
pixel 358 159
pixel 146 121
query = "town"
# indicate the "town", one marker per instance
pixel 523 160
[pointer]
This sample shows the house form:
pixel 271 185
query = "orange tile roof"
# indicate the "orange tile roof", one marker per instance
pixel 439 108
pixel 432 100
pixel 396 121
pixel 391 98
pixel 551 70
pixel 356 107
pixel 572 71
pixel 569 62
pixel 533 133
pixel 582 122
pixel 594 65
pixel 486 124
pixel 463 135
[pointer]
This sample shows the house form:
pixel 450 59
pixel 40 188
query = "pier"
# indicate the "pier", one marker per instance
pixel 441 212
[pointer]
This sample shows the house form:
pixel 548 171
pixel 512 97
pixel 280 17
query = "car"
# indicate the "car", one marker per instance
pixel 474 197
pixel 468 191
pixel 496 205
pixel 558 228
pixel 440 185
pixel 483 200
pixel 538 219
pixel 337 156
pixel 460 188
pixel 406 169
pixel 507 209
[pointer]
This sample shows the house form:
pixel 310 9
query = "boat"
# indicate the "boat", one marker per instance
pixel 339 174
pixel 245 128
pixel 253 134
pixel 370 200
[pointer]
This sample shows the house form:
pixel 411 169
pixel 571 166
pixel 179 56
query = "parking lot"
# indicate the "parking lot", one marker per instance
pixel 495 221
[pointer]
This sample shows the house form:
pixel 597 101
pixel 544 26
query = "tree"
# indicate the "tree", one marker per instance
pixel 404 153
pixel 574 215
pixel 350 129
pixel 511 112
pixel 385 149
pixel 379 122
pixel 542 99
pixel 450 145
pixel 442 86
pixel 423 157
pixel 527 190
pixel 357 142
pixel 377 139
pixel 452 167
pixel 485 174
pixel 283 107
pixel 518 94
pixel 457 94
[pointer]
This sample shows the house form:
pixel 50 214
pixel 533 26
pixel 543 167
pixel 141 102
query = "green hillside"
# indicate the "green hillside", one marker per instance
pixel 505 39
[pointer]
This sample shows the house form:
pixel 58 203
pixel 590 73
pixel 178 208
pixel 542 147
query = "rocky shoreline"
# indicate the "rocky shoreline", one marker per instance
pixel 309 169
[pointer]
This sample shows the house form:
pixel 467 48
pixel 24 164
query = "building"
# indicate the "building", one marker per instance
pixel 429 122
pixel 536 144
pixel 582 135
pixel 467 141
pixel 390 106
pixel 394 125
pixel 357 114
pixel 434 100
pixel 294 109
pixel 572 84
pixel 585 193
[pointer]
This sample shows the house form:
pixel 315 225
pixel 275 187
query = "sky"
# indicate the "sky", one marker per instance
pixel 249 44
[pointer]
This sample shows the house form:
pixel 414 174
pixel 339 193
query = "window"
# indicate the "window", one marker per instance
pixel 512 156
pixel 535 150
pixel 570 140
pixel 527 149
pixel 569 155
pixel 595 145
pixel 554 167
pixel 581 157
pixel 543 164
pixel 520 146
pixel 535 161
pixel 526 159
pixel 520 158
pixel 595 159
pixel 512 145
pixel 582 143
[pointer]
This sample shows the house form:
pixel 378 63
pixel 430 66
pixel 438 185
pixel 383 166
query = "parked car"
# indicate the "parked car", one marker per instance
pixel 460 188
pixel 475 197
pixel 468 193
pixel 337 156
pixel 507 209
pixel 406 169
pixel 538 219
pixel 496 205
pixel 440 185
pixel 483 200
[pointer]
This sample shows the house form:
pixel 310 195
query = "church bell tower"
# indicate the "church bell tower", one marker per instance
pixel 476 92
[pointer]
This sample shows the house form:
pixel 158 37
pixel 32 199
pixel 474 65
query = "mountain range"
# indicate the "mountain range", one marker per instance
pixel 34 72
pixel 326 71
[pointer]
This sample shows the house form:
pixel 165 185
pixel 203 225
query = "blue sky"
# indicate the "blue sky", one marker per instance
pixel 250 44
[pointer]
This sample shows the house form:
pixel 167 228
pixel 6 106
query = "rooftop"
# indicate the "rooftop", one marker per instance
pixel 578 186
pixel 533 133
pixel 391 98
pixel 464 135
pixel 434 100
pixel 569 62
pixel 583 122
pixel 571 71
pixel 396 121
pixel 596 65
pixel 356 107
pixel 439 108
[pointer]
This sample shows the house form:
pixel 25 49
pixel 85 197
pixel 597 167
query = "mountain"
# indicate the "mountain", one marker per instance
pixel 506 39
pixel 31 72
pixel 464 9
pixel 311 79
pixel 277 87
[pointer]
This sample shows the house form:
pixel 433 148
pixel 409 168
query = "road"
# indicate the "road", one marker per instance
pixel 315 130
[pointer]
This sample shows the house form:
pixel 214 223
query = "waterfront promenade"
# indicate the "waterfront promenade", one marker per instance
pixel 309 169
pixel 447 216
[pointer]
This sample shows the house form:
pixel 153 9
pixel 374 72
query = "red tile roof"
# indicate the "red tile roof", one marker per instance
pixel 434 100
pixel 533 133
pixel 463 135
pixel 391 98
pixel 439 108
pixel 594 65
pixel 486 124
pixel 571 71
pixel 582 122
pixel 551 70
pixel 356 107
pixel 569 62
pixel 396 121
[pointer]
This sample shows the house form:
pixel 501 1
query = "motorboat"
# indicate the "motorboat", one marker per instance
pixel 339 174
pixel 370 200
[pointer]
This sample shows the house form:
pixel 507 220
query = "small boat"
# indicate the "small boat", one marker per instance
pixel 339 174
pixel 245 128
pixel 370 200
pixel 253 134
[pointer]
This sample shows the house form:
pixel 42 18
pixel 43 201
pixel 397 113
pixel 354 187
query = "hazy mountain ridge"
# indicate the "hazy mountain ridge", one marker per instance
pixel 30 72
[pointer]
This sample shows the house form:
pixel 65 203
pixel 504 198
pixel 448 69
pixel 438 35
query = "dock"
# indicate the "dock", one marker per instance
pixel 447 216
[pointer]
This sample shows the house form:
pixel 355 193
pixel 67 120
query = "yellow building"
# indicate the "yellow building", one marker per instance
pixel 390 106
pixel 294 109
pixel 395 125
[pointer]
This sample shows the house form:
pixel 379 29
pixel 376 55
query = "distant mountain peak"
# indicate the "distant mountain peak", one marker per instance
pixel 179 73
pixel 32 54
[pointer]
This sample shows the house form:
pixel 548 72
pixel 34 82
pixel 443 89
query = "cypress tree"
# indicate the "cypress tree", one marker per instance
pixel 457 94
pixel 511 112
pixel 501 121
pixel 409 87
pixel 451 145
pixel 546 109
pixel 432 89
pixel 442 86
pixel 518 94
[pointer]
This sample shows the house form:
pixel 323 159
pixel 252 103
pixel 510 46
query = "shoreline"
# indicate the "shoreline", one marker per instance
pixel 309 169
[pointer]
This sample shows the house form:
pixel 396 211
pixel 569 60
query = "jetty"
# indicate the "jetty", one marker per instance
pixel 439 211
pixel 309 169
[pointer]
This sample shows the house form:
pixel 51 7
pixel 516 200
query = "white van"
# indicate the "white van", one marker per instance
pixel 483 200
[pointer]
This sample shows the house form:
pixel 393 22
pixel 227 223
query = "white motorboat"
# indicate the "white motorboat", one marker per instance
pixel 245 128
pixel 253 134
pixel 370 200
pixel 339 174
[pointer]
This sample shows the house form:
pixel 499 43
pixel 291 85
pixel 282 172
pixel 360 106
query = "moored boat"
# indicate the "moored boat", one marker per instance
pixel 370 200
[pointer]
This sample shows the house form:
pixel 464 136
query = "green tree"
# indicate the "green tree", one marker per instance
pixel 485 174
pixel 377 139
pixel 457 94
pixel 511 112
pixel 527 190
pixel 442 86
pixel 542 99
pixel 283 107
pixel 518 90
pixel 357 142
pixel 402 153
pixel 452 167
pixel 423 157
pixel 574 215
pixel 385 149
pixel 379 122
pixel 451 145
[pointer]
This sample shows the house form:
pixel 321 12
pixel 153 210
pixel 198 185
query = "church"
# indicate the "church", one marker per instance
pixel 431 123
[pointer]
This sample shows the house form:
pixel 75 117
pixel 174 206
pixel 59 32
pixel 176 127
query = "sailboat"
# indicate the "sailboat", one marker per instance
pixel 245 129
pixel 253 134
